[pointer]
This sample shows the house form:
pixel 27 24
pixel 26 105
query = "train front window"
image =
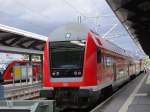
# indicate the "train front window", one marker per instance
pixel 66 60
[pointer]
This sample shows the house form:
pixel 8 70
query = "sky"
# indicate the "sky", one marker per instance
pixel 43 16
pixel 5 58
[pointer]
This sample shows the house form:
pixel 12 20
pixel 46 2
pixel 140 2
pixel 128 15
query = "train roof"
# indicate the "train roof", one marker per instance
pixel 69 32
pixel 115 48
pixel 75 32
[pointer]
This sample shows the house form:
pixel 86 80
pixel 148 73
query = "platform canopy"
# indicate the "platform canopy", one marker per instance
pixel 19 41
pixel 135 16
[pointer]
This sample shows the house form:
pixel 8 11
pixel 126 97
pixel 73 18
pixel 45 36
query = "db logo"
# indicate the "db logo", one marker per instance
pixel 68 35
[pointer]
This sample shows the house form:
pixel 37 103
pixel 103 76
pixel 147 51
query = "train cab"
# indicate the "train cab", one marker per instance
pixel 66 62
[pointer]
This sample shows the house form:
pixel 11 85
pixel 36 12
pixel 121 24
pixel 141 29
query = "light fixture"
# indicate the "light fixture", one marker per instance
pixel 80 43
pixel 68 35
pixel 57 73
pixel 79 73
pixel 75 73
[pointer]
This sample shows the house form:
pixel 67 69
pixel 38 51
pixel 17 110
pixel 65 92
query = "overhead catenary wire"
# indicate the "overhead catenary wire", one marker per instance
pixel 73 7
pixel 81 13
pixel 70 5
pixel 110 30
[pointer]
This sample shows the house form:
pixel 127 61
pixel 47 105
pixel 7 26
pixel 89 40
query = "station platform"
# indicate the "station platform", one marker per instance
pixel 133 97
pixel 20 91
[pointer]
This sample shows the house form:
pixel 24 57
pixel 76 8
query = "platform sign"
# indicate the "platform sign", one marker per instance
pixel 24 72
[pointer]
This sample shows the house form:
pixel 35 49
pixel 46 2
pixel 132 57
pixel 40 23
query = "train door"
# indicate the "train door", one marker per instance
pixel 99 70
pixel 114 70
pixel 129 71
pixel 109 68
pixel 103 67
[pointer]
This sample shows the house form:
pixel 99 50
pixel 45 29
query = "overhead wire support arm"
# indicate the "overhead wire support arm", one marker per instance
pixel 110 30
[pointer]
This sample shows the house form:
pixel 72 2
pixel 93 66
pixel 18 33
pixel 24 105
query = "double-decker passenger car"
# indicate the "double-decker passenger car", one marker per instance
pixel 80 66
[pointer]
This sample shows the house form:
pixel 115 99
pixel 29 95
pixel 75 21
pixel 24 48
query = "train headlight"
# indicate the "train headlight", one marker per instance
pixel 57 73
pixel 75 73
pixel 79 73
pixel 54 73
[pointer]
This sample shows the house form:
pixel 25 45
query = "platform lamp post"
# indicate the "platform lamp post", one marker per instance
pixel 30 58
pixel 41 75
pixel 30 77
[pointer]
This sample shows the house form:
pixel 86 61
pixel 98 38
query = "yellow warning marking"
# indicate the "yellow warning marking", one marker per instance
pixel 17 72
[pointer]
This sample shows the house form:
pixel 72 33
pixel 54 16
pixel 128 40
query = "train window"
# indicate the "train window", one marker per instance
pixel 108 61
pixel 99 56
pixel 66 60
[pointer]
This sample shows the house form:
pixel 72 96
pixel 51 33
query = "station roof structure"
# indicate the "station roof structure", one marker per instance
pixel 135 16
pixel 19 41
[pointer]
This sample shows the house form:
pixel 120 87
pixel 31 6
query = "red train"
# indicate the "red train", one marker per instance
pixel 8 74
pixel 80 66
